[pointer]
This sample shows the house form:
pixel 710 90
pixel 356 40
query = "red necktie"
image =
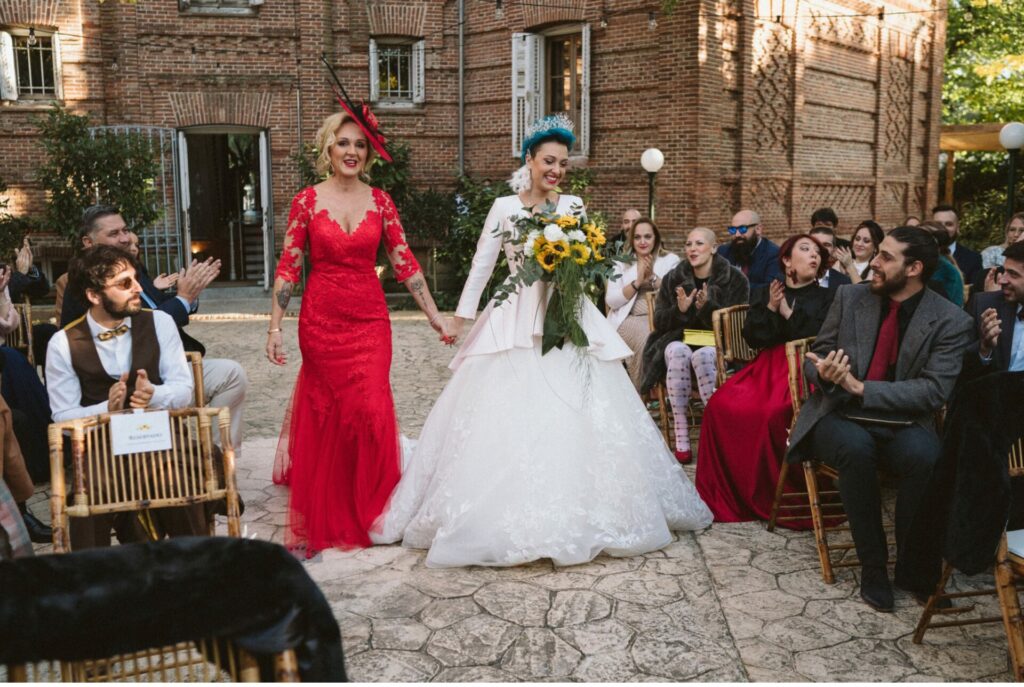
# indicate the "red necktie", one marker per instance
pixel 888 345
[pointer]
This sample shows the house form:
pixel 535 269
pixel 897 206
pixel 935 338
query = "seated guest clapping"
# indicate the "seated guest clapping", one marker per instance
pixel 999 321
pixel 746 423
pixel 884 362
pixel 696 287
pixel 117 356
pixel 627 293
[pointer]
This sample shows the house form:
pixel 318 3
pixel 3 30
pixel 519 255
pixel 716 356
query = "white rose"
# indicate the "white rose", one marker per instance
pixel 531 241
pixel 553 232
pixel 577 236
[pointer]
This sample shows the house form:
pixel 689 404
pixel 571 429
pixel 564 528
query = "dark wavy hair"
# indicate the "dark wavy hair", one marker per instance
pixel 93 268
pixel 919 245
pixel 786 251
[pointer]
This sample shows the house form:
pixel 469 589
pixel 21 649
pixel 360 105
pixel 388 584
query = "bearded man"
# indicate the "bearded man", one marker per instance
pixel 749 250
pixel 886 359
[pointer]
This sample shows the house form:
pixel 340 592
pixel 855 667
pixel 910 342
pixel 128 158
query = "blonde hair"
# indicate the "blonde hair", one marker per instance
pixel 325 139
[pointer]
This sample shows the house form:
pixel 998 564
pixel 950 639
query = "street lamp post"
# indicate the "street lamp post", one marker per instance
pixel 1011 137
pixel 651 161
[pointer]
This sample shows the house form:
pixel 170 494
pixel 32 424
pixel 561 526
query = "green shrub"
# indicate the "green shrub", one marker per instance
pixel 12 229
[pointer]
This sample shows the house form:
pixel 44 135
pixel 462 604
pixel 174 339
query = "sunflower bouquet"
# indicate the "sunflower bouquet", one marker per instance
pixel 565 251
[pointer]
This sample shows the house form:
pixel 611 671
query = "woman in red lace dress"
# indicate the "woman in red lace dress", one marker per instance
pixel 339 449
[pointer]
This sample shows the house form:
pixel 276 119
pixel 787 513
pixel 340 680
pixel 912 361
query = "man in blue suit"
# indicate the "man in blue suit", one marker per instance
pixel 224 381
pixel 750 252
pixel 969 261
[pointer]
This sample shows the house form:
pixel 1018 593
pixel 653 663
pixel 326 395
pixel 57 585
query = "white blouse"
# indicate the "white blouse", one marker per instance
pixel 618 306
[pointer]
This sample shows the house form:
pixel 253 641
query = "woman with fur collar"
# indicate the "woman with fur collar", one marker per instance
pixel 626 296
pixel 696 287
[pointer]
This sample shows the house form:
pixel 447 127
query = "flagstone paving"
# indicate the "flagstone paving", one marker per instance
pixel 733 603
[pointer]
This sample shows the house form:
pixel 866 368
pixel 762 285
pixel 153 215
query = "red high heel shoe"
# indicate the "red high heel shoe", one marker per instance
pixel 684 457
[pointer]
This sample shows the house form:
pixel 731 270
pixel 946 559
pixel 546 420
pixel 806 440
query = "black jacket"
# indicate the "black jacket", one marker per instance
pixel 973 367
pixel 726 286
pixel 969 500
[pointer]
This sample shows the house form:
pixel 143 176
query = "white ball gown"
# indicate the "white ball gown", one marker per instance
pixel 527 456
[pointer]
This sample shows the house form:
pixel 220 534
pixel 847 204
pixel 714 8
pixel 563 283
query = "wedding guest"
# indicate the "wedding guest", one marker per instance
pixel 997 318
pixel 29 283
pixel 885 360
pixel 947 279
pixel 969 261
pixel 746 423
pixel 830 278
pixel 750 251
pixel 695 288
pixel 627 293
pixel 339 450
pixel 1014 231
pixel 117 356
pixel 162 281
pixel 15 489
pixel 912 221
pixel 854 261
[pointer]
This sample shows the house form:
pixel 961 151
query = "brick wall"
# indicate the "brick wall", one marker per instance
pixel 778 105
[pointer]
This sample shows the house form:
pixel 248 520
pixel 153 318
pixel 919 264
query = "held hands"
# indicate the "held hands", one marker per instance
pixel 275 348
pixel 166 281
pixel 195 278
pixel 835 369
pixel 989 330
pixel 117 393
pixel 143 391
pixel 448 327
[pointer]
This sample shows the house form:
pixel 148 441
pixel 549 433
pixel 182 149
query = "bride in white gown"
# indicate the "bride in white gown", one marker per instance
pixel 527 456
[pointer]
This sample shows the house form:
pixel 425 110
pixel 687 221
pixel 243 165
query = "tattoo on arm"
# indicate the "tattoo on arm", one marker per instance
pixel 284 295
pixel 416 285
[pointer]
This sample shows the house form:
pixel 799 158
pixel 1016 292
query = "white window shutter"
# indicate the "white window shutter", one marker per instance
pixel 584 123
pixel 374 73
pixel 8 77
pixel 58 74
pixel 527 70
pixel 418 81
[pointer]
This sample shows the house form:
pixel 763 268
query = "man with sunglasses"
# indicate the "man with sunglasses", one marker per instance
pixel 117 356
pixel 750 252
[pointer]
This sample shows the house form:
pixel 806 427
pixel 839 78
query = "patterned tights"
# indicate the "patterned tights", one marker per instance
pixel 680 358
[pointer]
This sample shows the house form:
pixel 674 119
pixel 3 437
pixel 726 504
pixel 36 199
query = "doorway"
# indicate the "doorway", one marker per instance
pixel 226 199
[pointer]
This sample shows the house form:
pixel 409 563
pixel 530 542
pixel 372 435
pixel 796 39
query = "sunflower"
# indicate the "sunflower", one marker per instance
pixel 548 259
pixel 539 244
pixel 561 248
pixel 566 221
pixel 580 253
pixel 595 236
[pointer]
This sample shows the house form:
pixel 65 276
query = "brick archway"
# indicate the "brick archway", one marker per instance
pixel 194 108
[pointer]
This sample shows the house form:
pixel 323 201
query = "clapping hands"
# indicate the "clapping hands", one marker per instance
pixel 197 277
pixel 834 368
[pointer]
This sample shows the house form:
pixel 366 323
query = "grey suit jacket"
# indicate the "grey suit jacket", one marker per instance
pixel 929 361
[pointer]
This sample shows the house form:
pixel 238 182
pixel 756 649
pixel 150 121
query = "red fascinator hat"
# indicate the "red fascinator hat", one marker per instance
pixel 360 113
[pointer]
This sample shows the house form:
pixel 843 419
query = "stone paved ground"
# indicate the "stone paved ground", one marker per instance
pixel 732 603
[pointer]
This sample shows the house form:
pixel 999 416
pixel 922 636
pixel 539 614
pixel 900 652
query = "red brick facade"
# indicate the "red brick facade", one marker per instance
pixel 777 105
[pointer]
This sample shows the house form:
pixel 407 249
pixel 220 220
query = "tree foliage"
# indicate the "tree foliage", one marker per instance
pixel 82 169
pixel 12 229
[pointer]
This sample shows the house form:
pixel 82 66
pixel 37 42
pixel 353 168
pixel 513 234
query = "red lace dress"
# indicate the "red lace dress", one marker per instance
pixel 339 446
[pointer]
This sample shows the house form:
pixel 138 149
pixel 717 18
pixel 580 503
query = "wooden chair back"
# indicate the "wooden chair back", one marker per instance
pixel 20 339
pixel 799 389
pixel 730 346
pixel 103 483
pixel 967 293
pixel 201 661
pixel 195 361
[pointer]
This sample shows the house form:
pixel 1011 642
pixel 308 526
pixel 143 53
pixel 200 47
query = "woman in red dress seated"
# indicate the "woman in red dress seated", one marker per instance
pixel 746 423
pixel 339 449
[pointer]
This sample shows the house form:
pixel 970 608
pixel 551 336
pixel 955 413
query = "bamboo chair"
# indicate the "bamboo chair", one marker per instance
pixel 967 293
pixel 730 346
pixel 193 661
pixel 195 361
pixel 1013 570
pixel 102 483
pixel 799 390
pixel 21 338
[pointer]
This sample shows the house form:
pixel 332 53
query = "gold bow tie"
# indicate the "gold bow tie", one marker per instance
pixel 111 333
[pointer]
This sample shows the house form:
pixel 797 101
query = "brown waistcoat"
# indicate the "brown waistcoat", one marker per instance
pixel 96 381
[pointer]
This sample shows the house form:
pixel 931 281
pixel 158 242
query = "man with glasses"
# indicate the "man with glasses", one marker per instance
pixel 749 251
pixel 224 381
pixel 117 356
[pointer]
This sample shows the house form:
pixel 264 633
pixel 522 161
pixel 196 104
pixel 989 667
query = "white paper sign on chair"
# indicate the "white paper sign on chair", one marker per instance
pixel 140 432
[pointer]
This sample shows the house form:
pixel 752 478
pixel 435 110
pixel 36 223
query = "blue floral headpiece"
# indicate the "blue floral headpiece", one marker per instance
pixel 557 126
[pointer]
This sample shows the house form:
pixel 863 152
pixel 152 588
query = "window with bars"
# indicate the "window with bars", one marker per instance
pixel 396 72
pixel 29 65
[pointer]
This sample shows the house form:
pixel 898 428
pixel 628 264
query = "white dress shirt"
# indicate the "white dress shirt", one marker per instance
pixel 1017 347
pixel 115 355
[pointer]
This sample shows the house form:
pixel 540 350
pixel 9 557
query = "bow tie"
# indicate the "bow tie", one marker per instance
pixel 111 333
